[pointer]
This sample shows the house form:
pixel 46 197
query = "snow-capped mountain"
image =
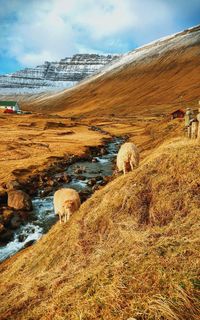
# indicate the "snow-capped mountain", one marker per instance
pixel 54 76
pixel 163 72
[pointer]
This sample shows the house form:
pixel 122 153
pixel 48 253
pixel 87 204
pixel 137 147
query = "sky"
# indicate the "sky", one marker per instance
pixel 34 31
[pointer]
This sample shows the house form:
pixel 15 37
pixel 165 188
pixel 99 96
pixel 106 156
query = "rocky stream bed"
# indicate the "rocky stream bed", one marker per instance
pixel 85 174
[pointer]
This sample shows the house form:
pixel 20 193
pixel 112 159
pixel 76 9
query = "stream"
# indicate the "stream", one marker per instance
pixel 42 217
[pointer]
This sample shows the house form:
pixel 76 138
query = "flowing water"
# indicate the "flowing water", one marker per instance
pixel 43 217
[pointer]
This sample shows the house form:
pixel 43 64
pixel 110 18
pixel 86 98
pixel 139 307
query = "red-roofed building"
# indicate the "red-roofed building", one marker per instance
pixel 179 113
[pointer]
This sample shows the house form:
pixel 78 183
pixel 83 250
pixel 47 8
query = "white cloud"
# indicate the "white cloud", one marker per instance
pixel 107 18
pixel 40 35
pixel 52 29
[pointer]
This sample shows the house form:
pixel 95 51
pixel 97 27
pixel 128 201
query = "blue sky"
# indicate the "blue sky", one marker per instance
pixel 34 31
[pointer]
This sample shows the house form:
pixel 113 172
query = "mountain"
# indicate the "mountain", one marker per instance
pixel 165 72
pixel 54 76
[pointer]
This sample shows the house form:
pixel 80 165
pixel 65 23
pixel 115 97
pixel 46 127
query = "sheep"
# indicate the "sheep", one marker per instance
pixel 66 201
pixel 127 157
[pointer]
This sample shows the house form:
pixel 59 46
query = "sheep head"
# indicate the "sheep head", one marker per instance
pixel 68 206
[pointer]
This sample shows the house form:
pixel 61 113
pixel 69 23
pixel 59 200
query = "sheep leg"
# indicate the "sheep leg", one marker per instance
pixel 65 218
pixel 60 218
pixel 68 215
pixel 132 166
pixel 124 168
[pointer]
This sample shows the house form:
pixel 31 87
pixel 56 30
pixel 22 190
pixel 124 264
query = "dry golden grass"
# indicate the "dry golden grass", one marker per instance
pixel 132 250
pixel 32 142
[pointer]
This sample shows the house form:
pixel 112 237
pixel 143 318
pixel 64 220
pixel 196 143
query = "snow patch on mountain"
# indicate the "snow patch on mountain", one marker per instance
pixel 54 76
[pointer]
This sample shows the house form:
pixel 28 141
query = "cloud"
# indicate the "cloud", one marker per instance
pixel 107 18
pixel 39 35
pixel 37 30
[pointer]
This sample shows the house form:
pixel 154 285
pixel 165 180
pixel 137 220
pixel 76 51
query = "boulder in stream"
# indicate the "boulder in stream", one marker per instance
pixel 3 196
pixel 103 151
pixel 92 182
pixel 13 185
pixel 79 170
pixel 64 178
pixel 19 200
pixel 45 192
pixel 29 243
pixel 5 234
pixel 15 221
pixel 7 215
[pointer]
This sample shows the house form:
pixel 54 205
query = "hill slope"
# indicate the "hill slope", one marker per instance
pixel 162 73
pixel 126 253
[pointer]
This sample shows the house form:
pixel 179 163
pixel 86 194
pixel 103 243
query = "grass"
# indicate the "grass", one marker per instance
pixel 130 251
pixel 24 146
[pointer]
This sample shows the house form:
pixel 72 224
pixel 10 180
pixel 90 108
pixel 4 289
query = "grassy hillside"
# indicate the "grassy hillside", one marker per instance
pixel 156 78
pixel 130 251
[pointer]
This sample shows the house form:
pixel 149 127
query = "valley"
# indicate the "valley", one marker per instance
pixel 132 249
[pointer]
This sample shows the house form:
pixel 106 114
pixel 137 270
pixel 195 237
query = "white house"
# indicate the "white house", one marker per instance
pixel 12 105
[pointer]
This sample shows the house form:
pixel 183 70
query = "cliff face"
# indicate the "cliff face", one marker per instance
pixel 54 76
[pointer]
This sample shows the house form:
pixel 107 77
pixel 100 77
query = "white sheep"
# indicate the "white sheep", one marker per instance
pixel 66 201
pixel 128 157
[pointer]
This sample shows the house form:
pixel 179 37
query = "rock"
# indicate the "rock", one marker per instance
pixel 7 215
pixel 79 170
pixel 59 179
pixel 6 236
pixel 45 192
pixel 32 190
pixel 95 187
pixel 50 182
pixel 99 178
pixel 3 185
pixel 23 215
pixel 64 178
pixel 40 181
pixel 19 200
pixel 22 237
pixel 92 182
pixel 84 195
pixel 3 196
pixel 65 133
pixel 2 228
pixel 13 185
pixel 81 178
pixel 95 160
pixel 29 243
pixel 103 151
pixel 15 221
pixel 105 180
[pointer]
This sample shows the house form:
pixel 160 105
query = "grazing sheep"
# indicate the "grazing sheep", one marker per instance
pixel 66 201
pixel 127 157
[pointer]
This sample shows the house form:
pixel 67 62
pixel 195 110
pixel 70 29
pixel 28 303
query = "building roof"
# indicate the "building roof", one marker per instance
pixel 8 103
pixel 181 110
